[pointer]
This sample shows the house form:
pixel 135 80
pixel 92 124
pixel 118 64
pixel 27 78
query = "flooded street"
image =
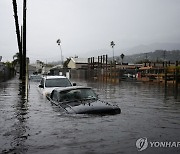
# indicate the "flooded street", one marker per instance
pixel 35 126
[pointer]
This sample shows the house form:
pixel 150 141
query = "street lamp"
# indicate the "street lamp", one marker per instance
pixel 59 43
pixel 112 45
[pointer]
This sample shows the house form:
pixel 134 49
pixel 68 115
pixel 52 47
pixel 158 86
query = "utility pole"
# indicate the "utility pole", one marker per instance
pixel 24 41
pixel 21 55
pixel 59 43
pixel 18 36
pixel 164 55
pixel 112 45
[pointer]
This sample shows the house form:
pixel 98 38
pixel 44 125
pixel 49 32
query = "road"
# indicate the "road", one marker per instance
pixel 35 126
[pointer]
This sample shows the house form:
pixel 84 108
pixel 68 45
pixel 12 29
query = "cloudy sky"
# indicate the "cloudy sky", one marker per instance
pixel 86 27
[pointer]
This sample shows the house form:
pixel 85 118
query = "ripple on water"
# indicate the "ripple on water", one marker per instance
pixel 36 126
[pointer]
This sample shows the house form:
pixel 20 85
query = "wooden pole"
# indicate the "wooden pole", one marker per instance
pixel 103 68
pixel 106 59
pixel 20 55
pixel 24 42
pixel 91 76
pixel 165 75
pixel 88 73
pixel 18 35
pixel 93 68
pixel 176 79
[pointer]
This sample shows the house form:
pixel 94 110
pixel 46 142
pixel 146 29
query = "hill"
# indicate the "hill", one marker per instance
pixel 158 55
pixel 153 47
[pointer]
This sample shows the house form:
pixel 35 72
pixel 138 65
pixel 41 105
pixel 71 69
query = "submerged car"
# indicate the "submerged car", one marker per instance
pixel 81 100
pixel 48 83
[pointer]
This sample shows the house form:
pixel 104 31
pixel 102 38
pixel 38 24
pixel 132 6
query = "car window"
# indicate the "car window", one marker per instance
pixel 59 82
pixel 77 94
pixel 88 93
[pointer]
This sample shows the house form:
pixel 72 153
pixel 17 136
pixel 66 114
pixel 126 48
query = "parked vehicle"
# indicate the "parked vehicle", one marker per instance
pixel 35 78
pixel 81 100
pixel 48 83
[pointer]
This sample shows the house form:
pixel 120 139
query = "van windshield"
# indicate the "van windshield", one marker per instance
pixel 58 82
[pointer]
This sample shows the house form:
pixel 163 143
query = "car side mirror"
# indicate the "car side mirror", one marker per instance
pixel 41 86
pixel 74 84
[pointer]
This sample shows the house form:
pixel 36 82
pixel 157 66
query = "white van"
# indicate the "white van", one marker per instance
pixel 49 83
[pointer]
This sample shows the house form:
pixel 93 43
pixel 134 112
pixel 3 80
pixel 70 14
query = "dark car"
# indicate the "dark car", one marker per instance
pixel 81 100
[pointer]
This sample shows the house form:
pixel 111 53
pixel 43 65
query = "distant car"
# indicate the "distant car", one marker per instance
pixel 35 78
pixel 81 100
pixel 48 83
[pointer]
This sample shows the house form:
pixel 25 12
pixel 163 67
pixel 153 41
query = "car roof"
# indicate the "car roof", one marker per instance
pixel 54 77
pixel 71 88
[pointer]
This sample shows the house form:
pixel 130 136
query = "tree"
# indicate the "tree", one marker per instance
pixel 16 59
pixel 112 45
pixel 66 63
pixel 9 64
pixel 122 57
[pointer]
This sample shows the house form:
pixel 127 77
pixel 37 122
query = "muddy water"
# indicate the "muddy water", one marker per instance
pixel 34 125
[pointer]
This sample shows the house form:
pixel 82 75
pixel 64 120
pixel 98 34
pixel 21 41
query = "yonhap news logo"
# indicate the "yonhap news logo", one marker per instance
pixel 143 143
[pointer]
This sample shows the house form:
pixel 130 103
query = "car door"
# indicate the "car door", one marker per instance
pixel 54 97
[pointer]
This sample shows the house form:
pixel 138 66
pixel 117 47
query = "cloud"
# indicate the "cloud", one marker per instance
pixel 89 25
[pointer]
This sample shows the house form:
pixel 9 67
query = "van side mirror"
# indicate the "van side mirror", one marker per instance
pixel 74 84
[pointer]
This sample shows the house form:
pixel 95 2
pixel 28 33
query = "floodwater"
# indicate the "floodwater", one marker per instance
pixel 33 125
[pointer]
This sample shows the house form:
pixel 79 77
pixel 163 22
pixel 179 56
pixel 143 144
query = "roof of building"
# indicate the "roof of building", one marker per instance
pixel 79 60
pixel 57 66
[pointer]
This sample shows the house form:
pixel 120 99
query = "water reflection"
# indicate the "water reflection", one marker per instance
pixel 18 129
pixel 33 125
pixel 21 112
pixel 109 89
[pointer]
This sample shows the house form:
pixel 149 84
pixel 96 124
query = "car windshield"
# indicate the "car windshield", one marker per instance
pixel 58 82
pixel 77 94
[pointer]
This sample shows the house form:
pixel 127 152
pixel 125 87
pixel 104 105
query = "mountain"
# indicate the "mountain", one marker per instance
pixel 153 47
pixel 158 55
pixel 152 52
pixel 131 51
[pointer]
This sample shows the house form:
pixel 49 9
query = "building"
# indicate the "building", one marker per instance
pixel 31 69
pixel 158 72
pixel 39 66
pixel 77 63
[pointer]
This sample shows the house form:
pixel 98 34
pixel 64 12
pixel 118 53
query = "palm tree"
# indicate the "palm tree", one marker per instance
pixel 16 62
pixel 122 57
pixel 112 45
pixel 65 65
pixel 16 59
